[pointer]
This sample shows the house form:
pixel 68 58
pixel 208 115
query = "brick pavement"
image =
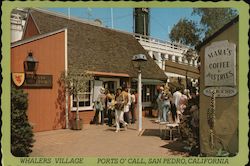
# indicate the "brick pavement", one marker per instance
pixel 101 140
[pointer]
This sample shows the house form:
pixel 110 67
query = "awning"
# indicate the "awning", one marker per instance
pixel 149 81
pixel 98 73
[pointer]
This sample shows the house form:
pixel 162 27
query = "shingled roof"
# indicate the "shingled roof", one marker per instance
pixel 98 48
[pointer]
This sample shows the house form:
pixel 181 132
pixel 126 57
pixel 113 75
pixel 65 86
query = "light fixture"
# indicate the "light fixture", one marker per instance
pixel 139 58
pixel 30 64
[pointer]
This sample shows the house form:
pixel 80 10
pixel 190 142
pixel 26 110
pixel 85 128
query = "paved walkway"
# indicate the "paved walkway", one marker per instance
pixel 98 140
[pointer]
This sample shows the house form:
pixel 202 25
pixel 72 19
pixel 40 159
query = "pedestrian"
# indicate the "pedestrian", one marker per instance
pixel 183 101
pixel 126 95
pixel 110 107
pixel 100 106
pixel 119 110
pixel 159 101
pixel 132 106
pixel 166 104
pixel 172 114
pixel 136 105
pixel 176 97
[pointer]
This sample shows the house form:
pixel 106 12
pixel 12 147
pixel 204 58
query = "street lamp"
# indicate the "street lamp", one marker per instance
pixel 139 58
pixel 30 64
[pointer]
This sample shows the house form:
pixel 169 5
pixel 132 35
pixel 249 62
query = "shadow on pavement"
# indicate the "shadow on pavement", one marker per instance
pixel 153 121
pixel 151 132
pixel 176 147
pixel 110 129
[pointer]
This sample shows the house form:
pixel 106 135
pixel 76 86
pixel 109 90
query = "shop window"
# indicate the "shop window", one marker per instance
pixel 110 85
pixel 183 60
pixel 85 98
pixel 169 57
pixel 176 58
pixel 148 93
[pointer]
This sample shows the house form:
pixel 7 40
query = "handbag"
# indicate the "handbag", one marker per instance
pixel 98 106
pixel 119 106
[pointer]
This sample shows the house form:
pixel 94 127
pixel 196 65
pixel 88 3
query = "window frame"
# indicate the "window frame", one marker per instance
pixel 84 108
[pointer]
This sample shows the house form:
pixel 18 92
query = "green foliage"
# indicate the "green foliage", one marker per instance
pixel 222 153
pixel 212 19
pixel 75 82
pixel 190 54
pixel 190 33
pixel 21 131
pixel 185 32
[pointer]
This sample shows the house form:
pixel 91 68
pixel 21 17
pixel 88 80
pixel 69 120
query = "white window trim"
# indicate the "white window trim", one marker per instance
pixel 86 108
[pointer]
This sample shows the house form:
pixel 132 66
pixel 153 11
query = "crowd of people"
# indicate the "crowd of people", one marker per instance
pixel 173 107
pixel 173 104
pixel 119 107
pixel 180 106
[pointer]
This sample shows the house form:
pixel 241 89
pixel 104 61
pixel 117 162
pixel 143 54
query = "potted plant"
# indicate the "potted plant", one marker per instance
pixel 76 82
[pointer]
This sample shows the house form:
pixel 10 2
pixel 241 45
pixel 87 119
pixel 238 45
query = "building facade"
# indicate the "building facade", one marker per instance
pixel 220 75
pixel 59 44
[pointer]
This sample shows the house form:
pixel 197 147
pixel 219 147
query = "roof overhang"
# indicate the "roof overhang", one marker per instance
pixel 109 74
pixel 181 69
pixel 150 81
pixel 37 37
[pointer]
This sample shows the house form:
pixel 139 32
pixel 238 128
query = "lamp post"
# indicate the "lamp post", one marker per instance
pixel 139 58
pixel 30 64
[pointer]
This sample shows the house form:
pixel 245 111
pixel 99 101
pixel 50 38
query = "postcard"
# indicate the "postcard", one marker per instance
pixel 124 83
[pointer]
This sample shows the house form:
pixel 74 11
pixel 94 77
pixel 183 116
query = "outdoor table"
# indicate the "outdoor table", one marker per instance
pixel 170 127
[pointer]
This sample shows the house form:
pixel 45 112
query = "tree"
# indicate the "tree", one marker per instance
pixel 190 33
pixel 190 54
pixel 212 19
pixel 185 32
pixel 21 130
pixel 75 82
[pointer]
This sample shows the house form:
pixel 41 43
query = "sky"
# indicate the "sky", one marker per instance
pixel 162 20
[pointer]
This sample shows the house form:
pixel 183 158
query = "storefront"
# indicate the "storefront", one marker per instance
pixel 60 44
pixel 219 87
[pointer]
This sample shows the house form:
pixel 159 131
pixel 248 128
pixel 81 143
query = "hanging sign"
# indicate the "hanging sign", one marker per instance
pixel 18 78
pixel 38 81
pixel 220 64
pixel 220 91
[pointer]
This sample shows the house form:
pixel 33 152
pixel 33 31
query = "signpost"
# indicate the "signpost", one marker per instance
pixel 220 64
pixel 220 91
pixel 220 69
pixel 38 81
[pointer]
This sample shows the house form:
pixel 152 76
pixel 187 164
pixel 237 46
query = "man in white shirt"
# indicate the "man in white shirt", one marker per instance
pixel 177 96
pixel 159 101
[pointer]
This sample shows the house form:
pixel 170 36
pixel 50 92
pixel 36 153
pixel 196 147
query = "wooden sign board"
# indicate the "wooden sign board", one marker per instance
pixel 38 81
pixel 220 64
pixel 220 91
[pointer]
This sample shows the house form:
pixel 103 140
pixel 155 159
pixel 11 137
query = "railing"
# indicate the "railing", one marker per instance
pixel 166 44
pixel 16 19
pixel 165 47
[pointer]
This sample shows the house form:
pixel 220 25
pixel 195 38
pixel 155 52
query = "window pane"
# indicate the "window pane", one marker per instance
pixel 84 98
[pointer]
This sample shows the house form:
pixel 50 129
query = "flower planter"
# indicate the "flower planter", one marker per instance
pixel 76 124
